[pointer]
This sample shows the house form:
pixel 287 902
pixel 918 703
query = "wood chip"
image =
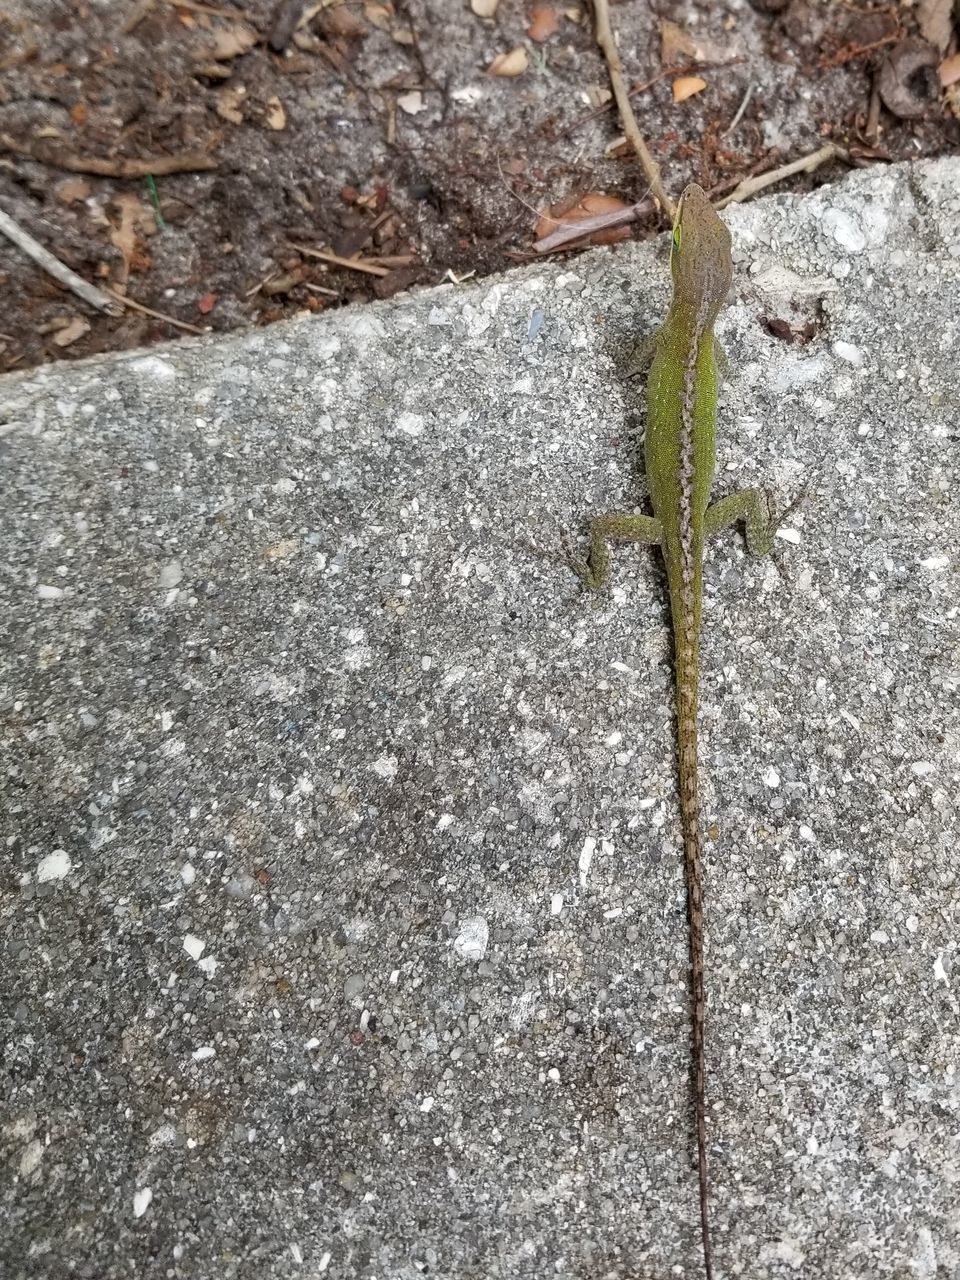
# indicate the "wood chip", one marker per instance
pixel 275 116
pixel 484 8
pixel 949 70
pixel 544 22
pixel 72 189
pixel 228 102
pixel 76 328
pixel 686 86
pixel 231 41
pixel 513 63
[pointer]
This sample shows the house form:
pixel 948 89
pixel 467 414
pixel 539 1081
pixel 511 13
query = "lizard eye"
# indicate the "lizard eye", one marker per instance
pixel 677 236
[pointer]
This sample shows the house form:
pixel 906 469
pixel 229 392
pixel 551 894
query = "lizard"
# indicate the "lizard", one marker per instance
pixel 680 461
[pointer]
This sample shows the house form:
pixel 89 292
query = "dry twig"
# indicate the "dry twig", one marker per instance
pixel 54 267
pixel 806 164
pixel 158 166
pixel 157 315
pixel 354 264
pixel 608 46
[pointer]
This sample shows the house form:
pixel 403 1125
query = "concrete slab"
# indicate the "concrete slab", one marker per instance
pixel 344 930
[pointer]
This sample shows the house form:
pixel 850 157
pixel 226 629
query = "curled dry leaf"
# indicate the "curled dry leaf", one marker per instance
pixel 686 86
pixel 576 209
pixel 543 23
pixel 513 63
pixel 907 84
pixel 484 8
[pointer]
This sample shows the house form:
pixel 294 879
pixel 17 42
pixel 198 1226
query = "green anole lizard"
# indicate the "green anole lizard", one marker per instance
pixel 680 459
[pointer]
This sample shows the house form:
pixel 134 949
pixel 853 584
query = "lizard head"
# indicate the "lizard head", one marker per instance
pixel 700 257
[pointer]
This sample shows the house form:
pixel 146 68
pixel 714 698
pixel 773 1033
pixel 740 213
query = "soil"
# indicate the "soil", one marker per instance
pixel 377 132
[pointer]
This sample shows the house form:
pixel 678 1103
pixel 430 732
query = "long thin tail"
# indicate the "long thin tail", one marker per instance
pixel 686 671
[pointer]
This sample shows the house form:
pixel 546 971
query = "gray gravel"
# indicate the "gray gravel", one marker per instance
pixel 343 918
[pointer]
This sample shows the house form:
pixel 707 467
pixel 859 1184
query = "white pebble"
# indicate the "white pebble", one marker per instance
pixel 141 1201
pixel 193 946
pixel 471 942
pixel 54 866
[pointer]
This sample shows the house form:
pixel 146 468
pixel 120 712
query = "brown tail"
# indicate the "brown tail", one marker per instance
pixel 686 672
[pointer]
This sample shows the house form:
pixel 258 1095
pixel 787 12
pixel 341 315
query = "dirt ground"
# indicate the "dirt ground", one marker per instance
pixel 217 164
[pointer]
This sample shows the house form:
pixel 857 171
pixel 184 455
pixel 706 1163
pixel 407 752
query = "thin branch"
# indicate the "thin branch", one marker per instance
pixel 354 264
pixel 157 315
pixel 187 162
pixel 806 164
pixel 608 46
pixel 740 110
pixel 54 267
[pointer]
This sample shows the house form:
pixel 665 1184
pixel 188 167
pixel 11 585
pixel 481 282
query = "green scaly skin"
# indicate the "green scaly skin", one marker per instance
pixel 680 460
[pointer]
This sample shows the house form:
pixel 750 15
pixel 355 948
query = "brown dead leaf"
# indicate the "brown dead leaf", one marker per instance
pixel 576 209
pixel 228 102
pixel 484 8
pixel 206 304
pixel 275 116
pixel 124 235
pixel 73 189
pixel 935 25
pixel 513 63
pixel 686 86
pixel 544 22
pixel 229 41
pixel 949 70
pixel 70 332
pixel 79 113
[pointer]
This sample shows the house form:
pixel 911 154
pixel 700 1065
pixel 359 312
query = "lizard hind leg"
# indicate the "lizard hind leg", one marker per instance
pixel 755 509
pixel 594 570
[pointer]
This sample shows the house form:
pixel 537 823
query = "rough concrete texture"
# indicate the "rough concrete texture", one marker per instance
pixel 343 918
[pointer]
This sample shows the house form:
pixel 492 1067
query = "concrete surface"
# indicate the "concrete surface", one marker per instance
pixel 344 930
